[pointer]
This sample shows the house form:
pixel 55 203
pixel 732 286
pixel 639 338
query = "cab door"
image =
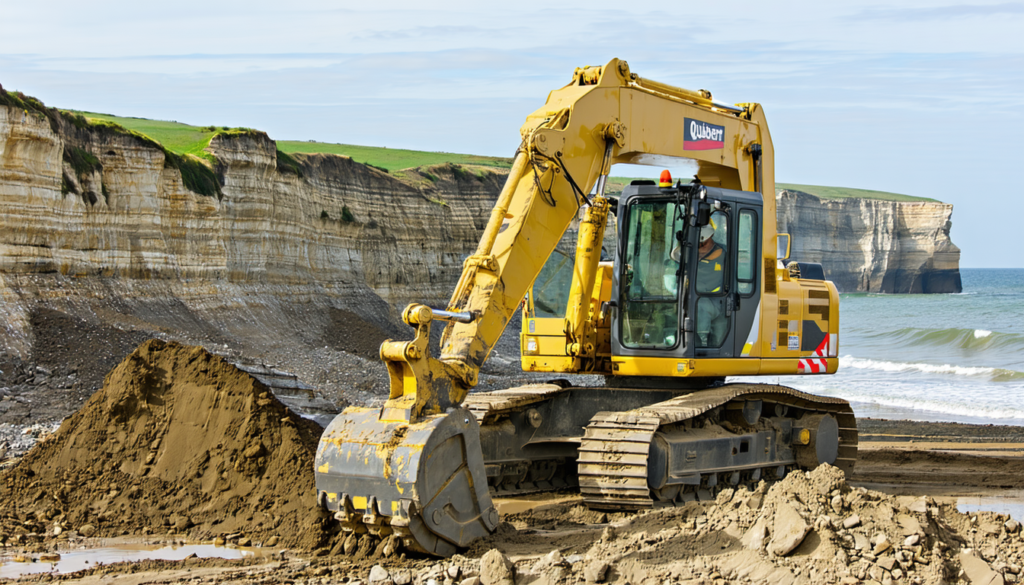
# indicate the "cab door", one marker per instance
pixel 726 290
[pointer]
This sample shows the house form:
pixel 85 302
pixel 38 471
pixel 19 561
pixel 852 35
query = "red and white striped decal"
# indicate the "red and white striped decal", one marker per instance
pixel 815 366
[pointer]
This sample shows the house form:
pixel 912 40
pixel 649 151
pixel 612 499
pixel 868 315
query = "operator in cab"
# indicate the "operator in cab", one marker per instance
pixel 711 323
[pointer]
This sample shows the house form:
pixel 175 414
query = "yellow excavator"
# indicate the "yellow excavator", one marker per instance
pixel 699 289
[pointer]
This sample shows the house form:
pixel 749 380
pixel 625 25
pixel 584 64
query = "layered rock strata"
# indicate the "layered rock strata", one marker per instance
pixel 868 245
pixel 341 234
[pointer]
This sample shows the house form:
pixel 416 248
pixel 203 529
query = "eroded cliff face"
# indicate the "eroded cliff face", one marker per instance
pixel 868 245
pixel 129 242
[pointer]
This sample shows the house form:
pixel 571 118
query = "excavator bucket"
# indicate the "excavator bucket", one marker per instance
pixel 423 482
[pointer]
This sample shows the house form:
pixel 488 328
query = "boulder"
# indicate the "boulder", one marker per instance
pixel 595 571
pixel 789 530
pixel 496 569
pixel 755 537
pixel 379 574
pixel 978 572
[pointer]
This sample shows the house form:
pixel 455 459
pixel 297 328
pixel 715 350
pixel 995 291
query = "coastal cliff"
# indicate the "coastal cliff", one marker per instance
pixel 102 232
pixel 871 245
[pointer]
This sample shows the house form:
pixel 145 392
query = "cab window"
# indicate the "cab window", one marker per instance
pixel 651 275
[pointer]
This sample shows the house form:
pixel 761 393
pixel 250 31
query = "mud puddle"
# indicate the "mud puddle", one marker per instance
pixel 967 500
pixel 534 502
pixel 78 560
pixel 1009 502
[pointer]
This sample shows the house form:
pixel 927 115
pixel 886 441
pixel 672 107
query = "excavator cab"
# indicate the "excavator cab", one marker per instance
pixel 685 281
pixel 685 285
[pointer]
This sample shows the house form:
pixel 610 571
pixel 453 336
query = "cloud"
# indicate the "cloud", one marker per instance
pixel 948 12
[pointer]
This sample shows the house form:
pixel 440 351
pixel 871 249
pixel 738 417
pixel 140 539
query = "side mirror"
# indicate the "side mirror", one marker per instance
pixel 703 213
pixel 782 246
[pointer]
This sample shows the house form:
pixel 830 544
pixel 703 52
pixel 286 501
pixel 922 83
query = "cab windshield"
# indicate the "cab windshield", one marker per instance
pixel 651 274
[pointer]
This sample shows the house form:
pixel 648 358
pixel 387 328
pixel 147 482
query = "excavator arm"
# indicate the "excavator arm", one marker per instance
pixel 605 115
pixel 413 469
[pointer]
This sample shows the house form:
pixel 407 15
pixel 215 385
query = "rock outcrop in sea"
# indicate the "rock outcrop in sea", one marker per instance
pixel 870 245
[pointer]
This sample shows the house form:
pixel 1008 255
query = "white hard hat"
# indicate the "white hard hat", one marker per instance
pixel 706 233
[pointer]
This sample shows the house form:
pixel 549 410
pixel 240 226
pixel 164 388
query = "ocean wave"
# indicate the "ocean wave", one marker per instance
pixel 993 374
pixel 968 339
pixel 951 408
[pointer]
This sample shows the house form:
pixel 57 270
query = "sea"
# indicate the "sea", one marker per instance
pixel 940 357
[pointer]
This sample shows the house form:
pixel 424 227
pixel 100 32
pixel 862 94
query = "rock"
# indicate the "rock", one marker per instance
pixel 245 541
pixel 548 561
pixel 1011 526
pixel 886 563
pixel 401 576
pixel 754 501
pixel 454 571
pixel 897 573
pixel 755 537
pixel 379 574
pixel 911 540
pixel 909 524
pixel 496 569
pixel 49 558
pixel 470 581
pixel 789 530
pixel 882 544
pixel 851 522
pixel 254 451
pixel 272 541
pixel 87 530
pixel 181 522
pixel 219 541
pixel 837 504
pixel 978 572
pixel 861 542
pixel 595 571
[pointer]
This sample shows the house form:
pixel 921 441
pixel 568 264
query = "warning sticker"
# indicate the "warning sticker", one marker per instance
pixel 794 342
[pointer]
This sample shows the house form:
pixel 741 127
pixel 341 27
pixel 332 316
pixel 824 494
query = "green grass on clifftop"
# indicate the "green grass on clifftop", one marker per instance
pixel 187 139
pixel 845 192
pixel 392 159
pixel 176 137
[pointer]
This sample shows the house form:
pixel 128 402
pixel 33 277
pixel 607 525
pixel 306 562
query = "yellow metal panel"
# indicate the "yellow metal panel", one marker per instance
pixel 688 368
pixel 545 326
pixel 548 364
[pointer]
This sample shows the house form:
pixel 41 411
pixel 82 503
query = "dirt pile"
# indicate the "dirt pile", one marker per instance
pixel 176 441
pixel 808 528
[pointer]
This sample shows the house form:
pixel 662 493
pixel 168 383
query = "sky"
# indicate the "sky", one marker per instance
pixel 918 97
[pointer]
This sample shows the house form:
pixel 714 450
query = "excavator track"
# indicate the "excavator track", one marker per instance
pixel 616 449
pixel 525 476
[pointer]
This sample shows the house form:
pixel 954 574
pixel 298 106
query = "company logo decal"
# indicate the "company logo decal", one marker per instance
pixel 702 136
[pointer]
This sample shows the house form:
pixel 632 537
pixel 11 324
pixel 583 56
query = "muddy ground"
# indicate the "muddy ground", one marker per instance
pixel 740 537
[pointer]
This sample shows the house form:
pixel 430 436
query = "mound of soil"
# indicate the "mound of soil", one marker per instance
pixel 177 441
